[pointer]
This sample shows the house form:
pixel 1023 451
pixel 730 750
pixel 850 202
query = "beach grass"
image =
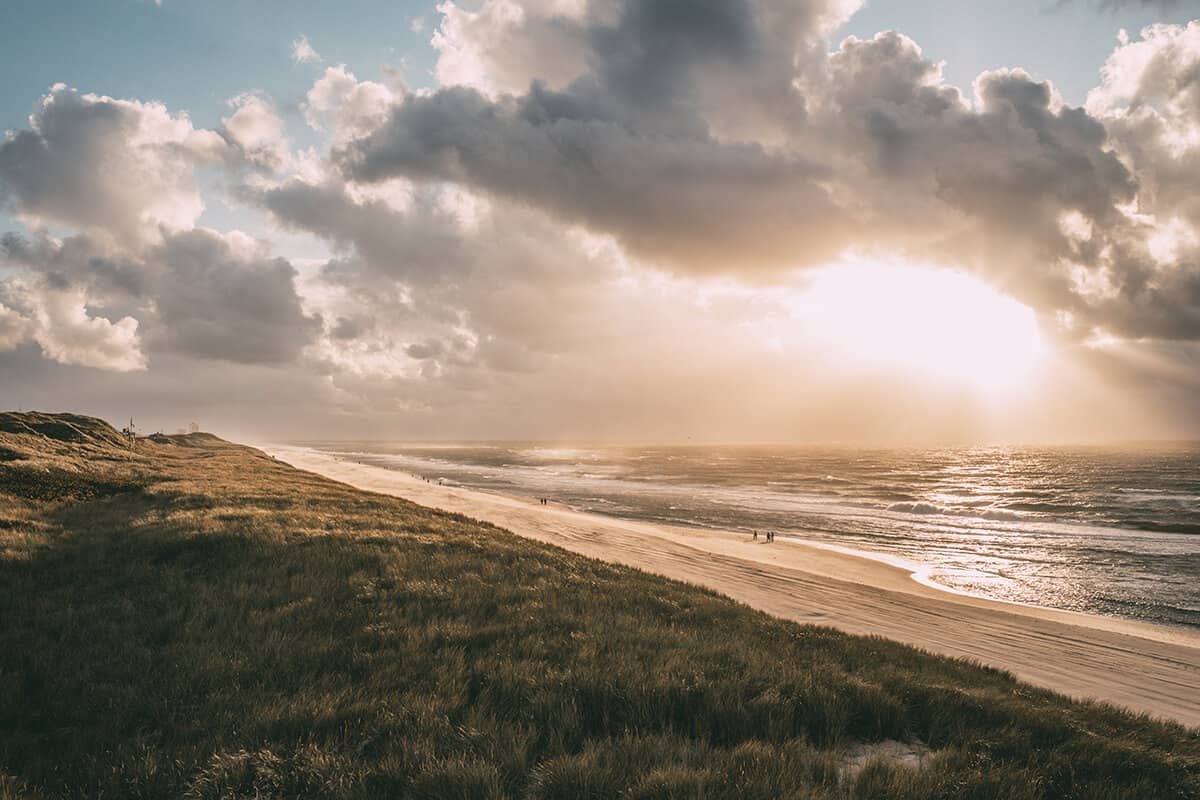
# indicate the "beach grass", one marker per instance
pixel 191 618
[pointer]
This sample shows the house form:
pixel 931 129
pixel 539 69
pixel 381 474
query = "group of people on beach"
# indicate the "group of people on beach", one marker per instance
pixel 770 535
pixel 544 501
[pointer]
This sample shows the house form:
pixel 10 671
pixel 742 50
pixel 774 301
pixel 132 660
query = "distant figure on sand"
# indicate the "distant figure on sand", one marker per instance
pixel 756 536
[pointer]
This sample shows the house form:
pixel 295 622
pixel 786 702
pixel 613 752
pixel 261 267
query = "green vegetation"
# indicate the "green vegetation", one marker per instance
pixel 193 619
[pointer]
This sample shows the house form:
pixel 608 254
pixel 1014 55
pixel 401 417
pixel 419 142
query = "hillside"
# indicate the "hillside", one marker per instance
pixel 190 618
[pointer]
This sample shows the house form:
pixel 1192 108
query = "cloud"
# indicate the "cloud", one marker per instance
pixel 428 289
pixel 501 45
pixel 1113 5
pixel 727 120
pixel 121 175
pixel 1009 164
pixel 600 220
pixel 14 328
pixel 348 107
pixel 224 297
pixel 303 52
pixel 118 166
pixel 643 145
pixel 197 293
pixel 58 320
pixel 256 130
pixel 652 192
pixel 1010 170
pixel 68 335
pixel 1149 100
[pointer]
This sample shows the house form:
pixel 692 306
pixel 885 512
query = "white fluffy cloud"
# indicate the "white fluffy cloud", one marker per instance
pixel 122 167
pixel 58 320
pixel 120 175
pixel 14 328
pixel 501 45
pixel 1149 100
pixel 303 52
pixel 347 107
pixel 257 131
pixel 68 335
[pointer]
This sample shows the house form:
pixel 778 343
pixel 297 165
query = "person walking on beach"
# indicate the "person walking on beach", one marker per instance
pixel 756 536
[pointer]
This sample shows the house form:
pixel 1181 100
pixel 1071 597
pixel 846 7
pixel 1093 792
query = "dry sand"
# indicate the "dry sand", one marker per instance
pixel 1147 668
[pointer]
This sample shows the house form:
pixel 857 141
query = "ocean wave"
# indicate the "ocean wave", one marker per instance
pixel 1046 508
pixel 928 509
pixel 917 508
pixel 1192 528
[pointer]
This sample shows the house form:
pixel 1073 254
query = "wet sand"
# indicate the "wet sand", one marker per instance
pixel 1143 667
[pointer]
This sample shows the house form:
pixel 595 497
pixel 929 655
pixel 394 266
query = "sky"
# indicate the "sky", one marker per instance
pixel 643 220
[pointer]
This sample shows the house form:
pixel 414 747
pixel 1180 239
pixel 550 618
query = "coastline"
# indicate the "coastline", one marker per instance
pixel 1145 667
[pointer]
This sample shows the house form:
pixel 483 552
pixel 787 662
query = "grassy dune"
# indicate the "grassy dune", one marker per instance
pixel 193 619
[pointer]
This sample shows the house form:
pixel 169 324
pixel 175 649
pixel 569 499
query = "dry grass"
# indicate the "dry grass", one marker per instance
pixel 194 619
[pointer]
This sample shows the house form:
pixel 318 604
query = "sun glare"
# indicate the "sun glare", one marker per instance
pixel 927 323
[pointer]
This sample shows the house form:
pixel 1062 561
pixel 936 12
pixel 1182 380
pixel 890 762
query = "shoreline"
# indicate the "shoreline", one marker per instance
pixel 1145 667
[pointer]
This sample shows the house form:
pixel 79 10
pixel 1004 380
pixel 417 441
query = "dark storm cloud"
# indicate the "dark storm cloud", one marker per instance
pixel 884 154
pixel 1015 160
pixel 214 302
pixel 418 246
pixel 193 294
pixel 653 192
pixel 640 144
pixel 719 137
pixel 346 328
pixel 77 260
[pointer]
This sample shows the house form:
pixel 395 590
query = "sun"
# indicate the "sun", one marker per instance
pixel 929 324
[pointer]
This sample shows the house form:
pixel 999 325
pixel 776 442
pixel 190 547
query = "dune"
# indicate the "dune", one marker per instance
pixel 1143 667
pixel 189 617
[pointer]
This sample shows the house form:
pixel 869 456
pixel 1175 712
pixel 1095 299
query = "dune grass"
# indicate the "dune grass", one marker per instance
pixel 194 619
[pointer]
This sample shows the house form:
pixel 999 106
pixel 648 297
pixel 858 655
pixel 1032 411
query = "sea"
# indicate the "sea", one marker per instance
pixel 1105 530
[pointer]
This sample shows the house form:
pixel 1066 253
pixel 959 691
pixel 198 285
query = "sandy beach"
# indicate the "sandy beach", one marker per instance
pixel 1143 667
